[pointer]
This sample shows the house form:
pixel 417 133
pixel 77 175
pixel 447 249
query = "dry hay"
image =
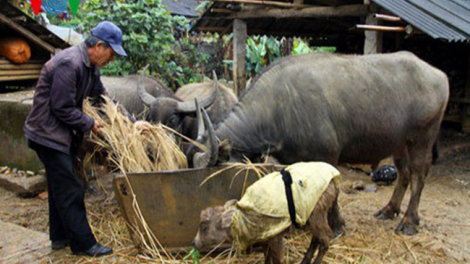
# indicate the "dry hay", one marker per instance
pixel 131 149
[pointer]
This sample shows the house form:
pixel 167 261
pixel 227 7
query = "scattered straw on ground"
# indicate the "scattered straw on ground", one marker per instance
pixel 365 240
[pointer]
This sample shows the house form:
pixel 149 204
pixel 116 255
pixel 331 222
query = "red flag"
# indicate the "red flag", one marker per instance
pixel 36 4
pixel 74 6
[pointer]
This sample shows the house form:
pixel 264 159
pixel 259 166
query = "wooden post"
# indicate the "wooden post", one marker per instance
pixel 239 60
pixel 466 108
pixel 373 39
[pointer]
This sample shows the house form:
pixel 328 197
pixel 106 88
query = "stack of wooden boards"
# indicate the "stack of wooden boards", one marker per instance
pixel 15 63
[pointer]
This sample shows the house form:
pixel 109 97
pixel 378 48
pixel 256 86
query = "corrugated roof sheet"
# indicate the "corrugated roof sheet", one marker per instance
pixel 185 8
pixel 440 19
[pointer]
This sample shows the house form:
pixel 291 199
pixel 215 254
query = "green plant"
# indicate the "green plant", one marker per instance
pixel 195 256
pixel 260 52
pixel 149 33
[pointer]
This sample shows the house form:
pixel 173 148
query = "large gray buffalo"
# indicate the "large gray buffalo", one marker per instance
pixel 179 113
pixel 343 109
pixel 123 90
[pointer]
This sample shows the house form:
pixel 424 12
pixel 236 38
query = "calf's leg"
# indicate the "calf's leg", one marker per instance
pixel 319 225
pixel 274 252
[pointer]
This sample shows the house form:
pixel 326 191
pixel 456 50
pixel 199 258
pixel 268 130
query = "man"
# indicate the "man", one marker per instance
pixel 55 127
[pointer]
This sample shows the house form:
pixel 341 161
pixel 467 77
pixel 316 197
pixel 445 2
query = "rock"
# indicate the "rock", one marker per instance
pixel 358 185
pixel 21 174
pixel 29 173
pixel 4 169
pixel 15 170
pixel 23 186
pixel 370 188
pixel 42 172
pixel 44 195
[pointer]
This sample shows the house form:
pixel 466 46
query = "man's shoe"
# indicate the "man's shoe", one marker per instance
pixel 60 244
pixel 95 251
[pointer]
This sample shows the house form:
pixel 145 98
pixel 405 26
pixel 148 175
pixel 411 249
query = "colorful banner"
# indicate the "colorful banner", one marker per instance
pixel 74 6
pixel 36 4
pixel 55 7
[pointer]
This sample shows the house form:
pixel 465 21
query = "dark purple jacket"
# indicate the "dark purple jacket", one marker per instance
pixel 65 81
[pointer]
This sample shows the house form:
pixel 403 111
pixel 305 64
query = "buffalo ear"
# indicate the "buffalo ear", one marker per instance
pixel 224 151
pixel 226 219
pixel 229 203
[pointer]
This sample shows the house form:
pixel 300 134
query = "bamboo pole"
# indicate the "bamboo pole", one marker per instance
pixel 19 77
pixel 19 72
pixel 387 18
pixel 381 28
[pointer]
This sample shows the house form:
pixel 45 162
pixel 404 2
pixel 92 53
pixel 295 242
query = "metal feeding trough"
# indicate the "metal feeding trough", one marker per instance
pixel 171 201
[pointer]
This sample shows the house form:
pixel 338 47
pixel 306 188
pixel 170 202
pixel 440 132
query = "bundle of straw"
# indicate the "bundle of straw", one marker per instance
pixel 130 148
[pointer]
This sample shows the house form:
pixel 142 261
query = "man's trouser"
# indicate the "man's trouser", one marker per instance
pixel 67 213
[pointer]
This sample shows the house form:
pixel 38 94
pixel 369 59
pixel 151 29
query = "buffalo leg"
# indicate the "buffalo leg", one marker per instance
pixel 392 209
pixel 420 162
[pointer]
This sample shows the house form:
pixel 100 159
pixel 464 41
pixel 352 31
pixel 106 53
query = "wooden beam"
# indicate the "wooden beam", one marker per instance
pixel 466 109
pixel 239 59
pixel 319 11
pixel 210 29
pixel 221 11
pixel 372 35
pixel 19 77
pixel 20 66
pixel 28 34
pixel 20 72
pixel 260 2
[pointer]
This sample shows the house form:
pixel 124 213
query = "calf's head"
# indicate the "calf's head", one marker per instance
pixel 214 227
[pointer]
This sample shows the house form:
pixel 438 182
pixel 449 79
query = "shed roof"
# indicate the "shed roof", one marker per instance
pixel 441 19
pixel 185 8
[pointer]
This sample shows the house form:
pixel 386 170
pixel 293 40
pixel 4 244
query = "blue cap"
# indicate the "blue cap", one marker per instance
pixel 110 33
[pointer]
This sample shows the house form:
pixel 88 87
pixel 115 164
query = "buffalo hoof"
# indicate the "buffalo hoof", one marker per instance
pixel 406 228
pixel 338 233
pixel 386 213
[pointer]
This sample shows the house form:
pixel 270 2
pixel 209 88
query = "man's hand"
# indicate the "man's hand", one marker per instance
pixel 97 127
pixel 143 125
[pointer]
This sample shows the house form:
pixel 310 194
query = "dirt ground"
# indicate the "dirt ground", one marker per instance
pixel 444 231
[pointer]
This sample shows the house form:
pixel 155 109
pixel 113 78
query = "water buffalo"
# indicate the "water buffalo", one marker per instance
pixel 179 113
pixel 343 109
pixel 123 90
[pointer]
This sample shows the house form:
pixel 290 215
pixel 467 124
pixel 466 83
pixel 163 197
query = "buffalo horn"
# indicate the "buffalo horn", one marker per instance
pixel 190 107
pixel 209 158
pixel 143 94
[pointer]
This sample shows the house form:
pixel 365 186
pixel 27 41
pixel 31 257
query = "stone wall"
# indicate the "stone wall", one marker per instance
pixel 14 151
